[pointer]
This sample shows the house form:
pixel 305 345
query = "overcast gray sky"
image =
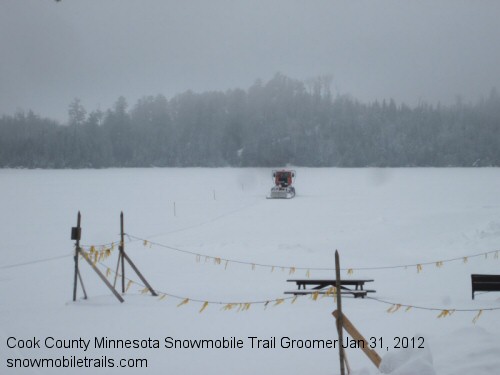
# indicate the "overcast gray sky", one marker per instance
pixel 97 50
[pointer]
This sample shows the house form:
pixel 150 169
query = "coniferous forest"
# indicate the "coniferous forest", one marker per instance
pixel 275 123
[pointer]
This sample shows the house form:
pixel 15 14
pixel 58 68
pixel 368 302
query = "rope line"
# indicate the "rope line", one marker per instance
pixel 432 308
pixel 314 296
pixel 438 263
pixel 209 221
pixel 35 261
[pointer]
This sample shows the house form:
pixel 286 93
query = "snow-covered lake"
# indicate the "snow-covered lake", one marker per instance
pixel 376 218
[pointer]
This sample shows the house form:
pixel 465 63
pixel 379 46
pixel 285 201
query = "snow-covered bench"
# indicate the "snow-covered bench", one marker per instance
pixel 485 283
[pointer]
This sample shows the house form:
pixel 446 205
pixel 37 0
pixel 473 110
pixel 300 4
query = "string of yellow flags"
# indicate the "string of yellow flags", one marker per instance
pixel 331 292
pixel 292 269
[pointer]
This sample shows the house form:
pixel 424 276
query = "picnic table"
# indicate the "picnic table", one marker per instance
pixel 324 286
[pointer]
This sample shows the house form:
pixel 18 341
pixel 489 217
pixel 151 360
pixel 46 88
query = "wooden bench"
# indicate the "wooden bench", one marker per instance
pixel 485 283
pixel 355 293
pixel 324 286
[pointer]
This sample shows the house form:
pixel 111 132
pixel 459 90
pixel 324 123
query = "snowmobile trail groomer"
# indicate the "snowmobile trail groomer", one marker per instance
pixel 283 181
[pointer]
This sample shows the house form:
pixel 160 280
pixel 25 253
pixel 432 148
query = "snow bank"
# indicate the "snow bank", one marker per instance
pixel 409 361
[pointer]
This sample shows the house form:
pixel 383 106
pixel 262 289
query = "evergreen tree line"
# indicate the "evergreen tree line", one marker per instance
pixel 275 123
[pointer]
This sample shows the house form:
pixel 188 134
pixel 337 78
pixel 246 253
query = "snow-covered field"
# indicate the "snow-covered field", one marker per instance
pixel 374 217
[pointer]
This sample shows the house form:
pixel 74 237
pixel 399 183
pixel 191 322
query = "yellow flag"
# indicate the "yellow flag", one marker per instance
pixel 162 297
pixel 308 274
pixel 330 291
pixel 394 308
pixel 279 301
pixel 183 302
pixel 228 307
pixel 314 296
pixel 350 271
pixel 130 282
pixel 294 299
pixel 477 316
pixel 292 270
pixel 205 304
pixel 444 314
pixel 419 268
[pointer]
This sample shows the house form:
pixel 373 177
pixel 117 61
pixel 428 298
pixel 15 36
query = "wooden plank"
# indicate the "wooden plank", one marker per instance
pixel 478 277
pixel 340 315
pixel 351 329
pixel 487 286
pixel 329 281
pixel 304 292
pixel 143 279
pixel 103 278
pixel 122 250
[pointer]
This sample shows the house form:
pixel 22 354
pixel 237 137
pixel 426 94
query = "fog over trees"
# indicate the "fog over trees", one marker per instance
pixel 275 123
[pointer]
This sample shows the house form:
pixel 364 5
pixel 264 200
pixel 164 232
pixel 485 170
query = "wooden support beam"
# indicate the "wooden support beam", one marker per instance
pixel 139 274
pixel 104 279
pixel 339 309
pixel 122 250
pixel 351 329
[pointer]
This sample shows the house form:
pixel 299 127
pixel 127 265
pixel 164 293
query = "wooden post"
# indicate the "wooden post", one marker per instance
pixel 83 286
pixel 77 253
pixel 124 257
pixel 122 251
pixel 365 346
pixel 340 317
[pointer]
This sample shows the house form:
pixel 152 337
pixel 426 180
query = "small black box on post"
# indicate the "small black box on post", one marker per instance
pixel 76 233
